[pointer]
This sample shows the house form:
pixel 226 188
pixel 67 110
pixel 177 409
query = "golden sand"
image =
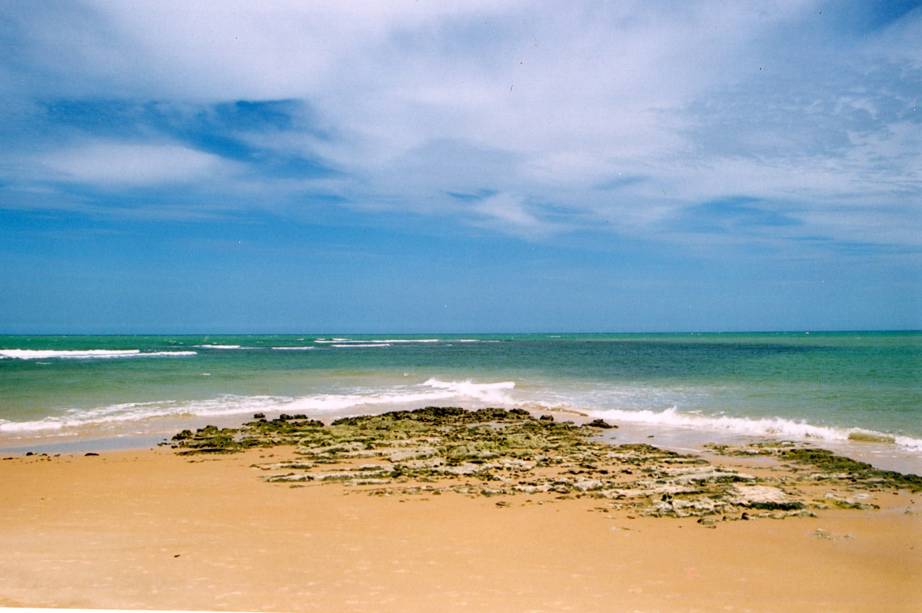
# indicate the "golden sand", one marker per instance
pixel 150 529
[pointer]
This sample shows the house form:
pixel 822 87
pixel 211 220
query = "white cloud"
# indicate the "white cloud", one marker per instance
pixel 508 213
pixel 537 103
pixel 129 164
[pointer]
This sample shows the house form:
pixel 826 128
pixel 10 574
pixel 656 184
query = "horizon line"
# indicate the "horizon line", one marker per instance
pixel 456 333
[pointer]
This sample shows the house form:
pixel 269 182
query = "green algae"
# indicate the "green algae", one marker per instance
pixel 827 466
pixel 499 452
pixel 855 470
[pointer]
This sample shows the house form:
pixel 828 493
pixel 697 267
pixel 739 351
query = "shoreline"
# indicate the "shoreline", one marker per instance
pixel 882 455
pixel 153 529
pixel 683 389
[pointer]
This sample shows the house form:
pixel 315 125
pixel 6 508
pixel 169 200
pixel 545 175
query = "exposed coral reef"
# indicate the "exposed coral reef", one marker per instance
pixel 499 452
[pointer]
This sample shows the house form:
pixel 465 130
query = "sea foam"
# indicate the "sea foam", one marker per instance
pixel 219 346
pixel 87 354
pixel 486 392
pixel 764 427
pixel 400 396
pixel 365 342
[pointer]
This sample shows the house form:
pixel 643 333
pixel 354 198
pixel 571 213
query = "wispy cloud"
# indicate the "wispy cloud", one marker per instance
pixel 631 118
pixel 130 164
pixel 509 213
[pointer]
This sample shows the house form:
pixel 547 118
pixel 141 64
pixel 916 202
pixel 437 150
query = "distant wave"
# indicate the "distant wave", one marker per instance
pixel 219 346
pixel 364 342
pixel 398 341
pixel 359 345
pixel 304 348
pixel 87 354
pixel 433 390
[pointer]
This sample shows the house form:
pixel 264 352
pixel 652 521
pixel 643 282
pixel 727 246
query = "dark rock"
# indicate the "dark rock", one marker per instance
pixel 600 423
pixel 90 454
pixel 777 506
pixel 259 415
pixel 30 453
pixel 427 415
pixel 546 418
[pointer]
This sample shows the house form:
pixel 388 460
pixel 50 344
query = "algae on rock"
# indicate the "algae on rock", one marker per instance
pixel 499 452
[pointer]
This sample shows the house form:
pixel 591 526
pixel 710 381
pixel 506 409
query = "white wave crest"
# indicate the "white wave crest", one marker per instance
pixel 87 354
pixel 359 345
pixel 307 348
pixel 219 346
pixel 487 392
pixel 774 427
pixel 364 342
pixel 433 390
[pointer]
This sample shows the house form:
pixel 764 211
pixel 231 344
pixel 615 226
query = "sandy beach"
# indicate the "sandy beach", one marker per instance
pixel 153 529
pixel 432 307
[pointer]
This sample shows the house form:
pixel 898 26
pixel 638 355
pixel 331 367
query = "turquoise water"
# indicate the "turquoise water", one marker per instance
pixel 796 385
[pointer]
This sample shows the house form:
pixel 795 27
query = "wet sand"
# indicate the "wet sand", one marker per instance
pixel 150 529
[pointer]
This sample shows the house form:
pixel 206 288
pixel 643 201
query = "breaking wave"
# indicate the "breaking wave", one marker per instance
pixel 773 427
pixel 87 354
pixel 403 396
pixel 219 346
pixel 467 393
pixel 367 342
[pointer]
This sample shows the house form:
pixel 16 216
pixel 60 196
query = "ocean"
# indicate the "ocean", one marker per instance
pixel 680 390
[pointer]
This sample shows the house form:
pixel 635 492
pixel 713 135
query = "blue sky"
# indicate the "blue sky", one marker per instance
pixel 471 166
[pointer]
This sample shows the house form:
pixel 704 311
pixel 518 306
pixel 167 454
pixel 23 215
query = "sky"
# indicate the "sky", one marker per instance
pixel 503 166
